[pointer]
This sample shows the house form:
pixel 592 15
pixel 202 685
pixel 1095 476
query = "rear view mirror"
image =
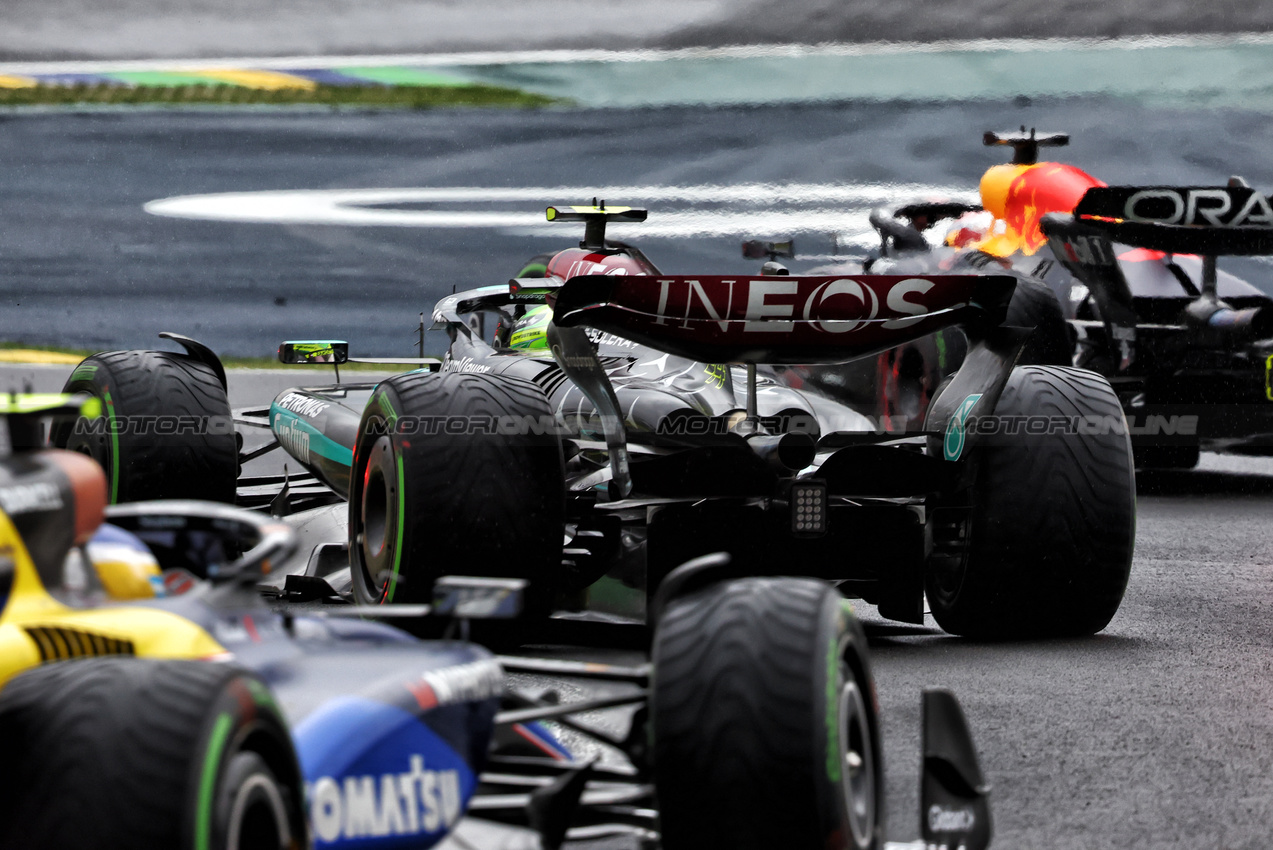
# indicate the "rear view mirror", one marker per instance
pixel 755 249
pixel 299 352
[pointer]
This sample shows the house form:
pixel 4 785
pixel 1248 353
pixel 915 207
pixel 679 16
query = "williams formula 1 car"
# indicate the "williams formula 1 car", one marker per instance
pixel 595 427
pixel 1188 348
pixel 203 719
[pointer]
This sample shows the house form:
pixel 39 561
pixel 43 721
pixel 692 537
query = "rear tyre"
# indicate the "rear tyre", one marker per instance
pixel 455 472
pixel 126 752
pixel 166 430
pixel 1034 305
pixel 1045 547
pixel 765 728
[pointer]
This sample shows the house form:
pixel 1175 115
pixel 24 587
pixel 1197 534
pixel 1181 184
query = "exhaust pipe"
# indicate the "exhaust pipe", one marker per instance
pixel 1218 317
pixel 790 452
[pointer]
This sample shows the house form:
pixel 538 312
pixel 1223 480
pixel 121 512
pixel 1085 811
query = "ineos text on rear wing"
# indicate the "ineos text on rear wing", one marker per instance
pixel 780 319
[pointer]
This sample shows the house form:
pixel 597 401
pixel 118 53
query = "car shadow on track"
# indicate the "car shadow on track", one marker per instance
pixel 1164 482
pixel 898 635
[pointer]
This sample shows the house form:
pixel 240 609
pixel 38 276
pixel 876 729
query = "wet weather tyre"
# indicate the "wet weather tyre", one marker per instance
pixel 125 752
pixel 765 731
pixel 1034 305
pixel 455 473
pixel 166 431
pixel 1043 546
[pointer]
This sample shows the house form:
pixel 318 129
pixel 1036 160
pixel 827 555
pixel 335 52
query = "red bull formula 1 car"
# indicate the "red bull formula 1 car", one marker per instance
pixel 595 427
pixel 1188 348
pixel 205 720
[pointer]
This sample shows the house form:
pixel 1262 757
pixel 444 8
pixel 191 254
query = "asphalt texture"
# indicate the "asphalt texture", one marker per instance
pixel 82 265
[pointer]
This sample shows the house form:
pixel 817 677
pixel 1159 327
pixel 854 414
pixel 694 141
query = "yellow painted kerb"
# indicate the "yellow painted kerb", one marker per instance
pixel 259 79
pixel 31 355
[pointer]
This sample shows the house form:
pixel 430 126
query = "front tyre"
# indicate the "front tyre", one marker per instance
pixel 765 728
pixel 1040 544
pixel 455 473
pixel 107 753
pixel 166 431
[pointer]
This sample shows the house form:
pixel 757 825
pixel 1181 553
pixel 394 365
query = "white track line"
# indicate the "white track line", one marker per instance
pixel 712 210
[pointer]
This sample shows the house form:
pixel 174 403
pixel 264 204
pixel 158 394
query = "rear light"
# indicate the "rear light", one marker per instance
pixel 809 507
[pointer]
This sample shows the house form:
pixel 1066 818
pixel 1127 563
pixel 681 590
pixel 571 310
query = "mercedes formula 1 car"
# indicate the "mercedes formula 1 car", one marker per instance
pixel 203 719
pixel 593 428
pixel 1188 348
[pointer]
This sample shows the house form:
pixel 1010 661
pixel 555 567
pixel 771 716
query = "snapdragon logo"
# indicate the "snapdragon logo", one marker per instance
pixel 415 802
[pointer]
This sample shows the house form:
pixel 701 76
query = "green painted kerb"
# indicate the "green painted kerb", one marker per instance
pixel 208 781
pixel 404 77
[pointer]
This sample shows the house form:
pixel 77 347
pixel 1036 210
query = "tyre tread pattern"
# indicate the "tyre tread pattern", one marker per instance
pixel 98 752
pixel 191 464
pixel 494 503
pixel 732 712
pixel 1054 516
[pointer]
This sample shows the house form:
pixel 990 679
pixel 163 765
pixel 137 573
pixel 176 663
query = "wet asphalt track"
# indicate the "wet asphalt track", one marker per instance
pixel 82 264
pixel 1154 734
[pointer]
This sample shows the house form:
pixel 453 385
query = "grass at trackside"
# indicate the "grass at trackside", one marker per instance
pixel 375 96
pixel 71 356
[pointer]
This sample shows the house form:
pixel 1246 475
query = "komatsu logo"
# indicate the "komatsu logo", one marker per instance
pixel 415 802
pixel 1217 207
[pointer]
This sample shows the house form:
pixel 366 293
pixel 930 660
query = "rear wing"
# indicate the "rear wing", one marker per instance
pixel 1210 221
pixel 1207 220
pixel 780 319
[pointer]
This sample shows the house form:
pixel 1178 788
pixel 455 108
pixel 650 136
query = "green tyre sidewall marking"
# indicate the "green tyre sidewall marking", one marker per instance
pixel 208 780
pixel 402 513
pixel 114 432
pixel 832 710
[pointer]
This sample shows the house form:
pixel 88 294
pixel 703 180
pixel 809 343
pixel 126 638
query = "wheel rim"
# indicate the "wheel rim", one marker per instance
pixel 857 755
pixel 375 512
pixel 378 518
pixel 258 816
